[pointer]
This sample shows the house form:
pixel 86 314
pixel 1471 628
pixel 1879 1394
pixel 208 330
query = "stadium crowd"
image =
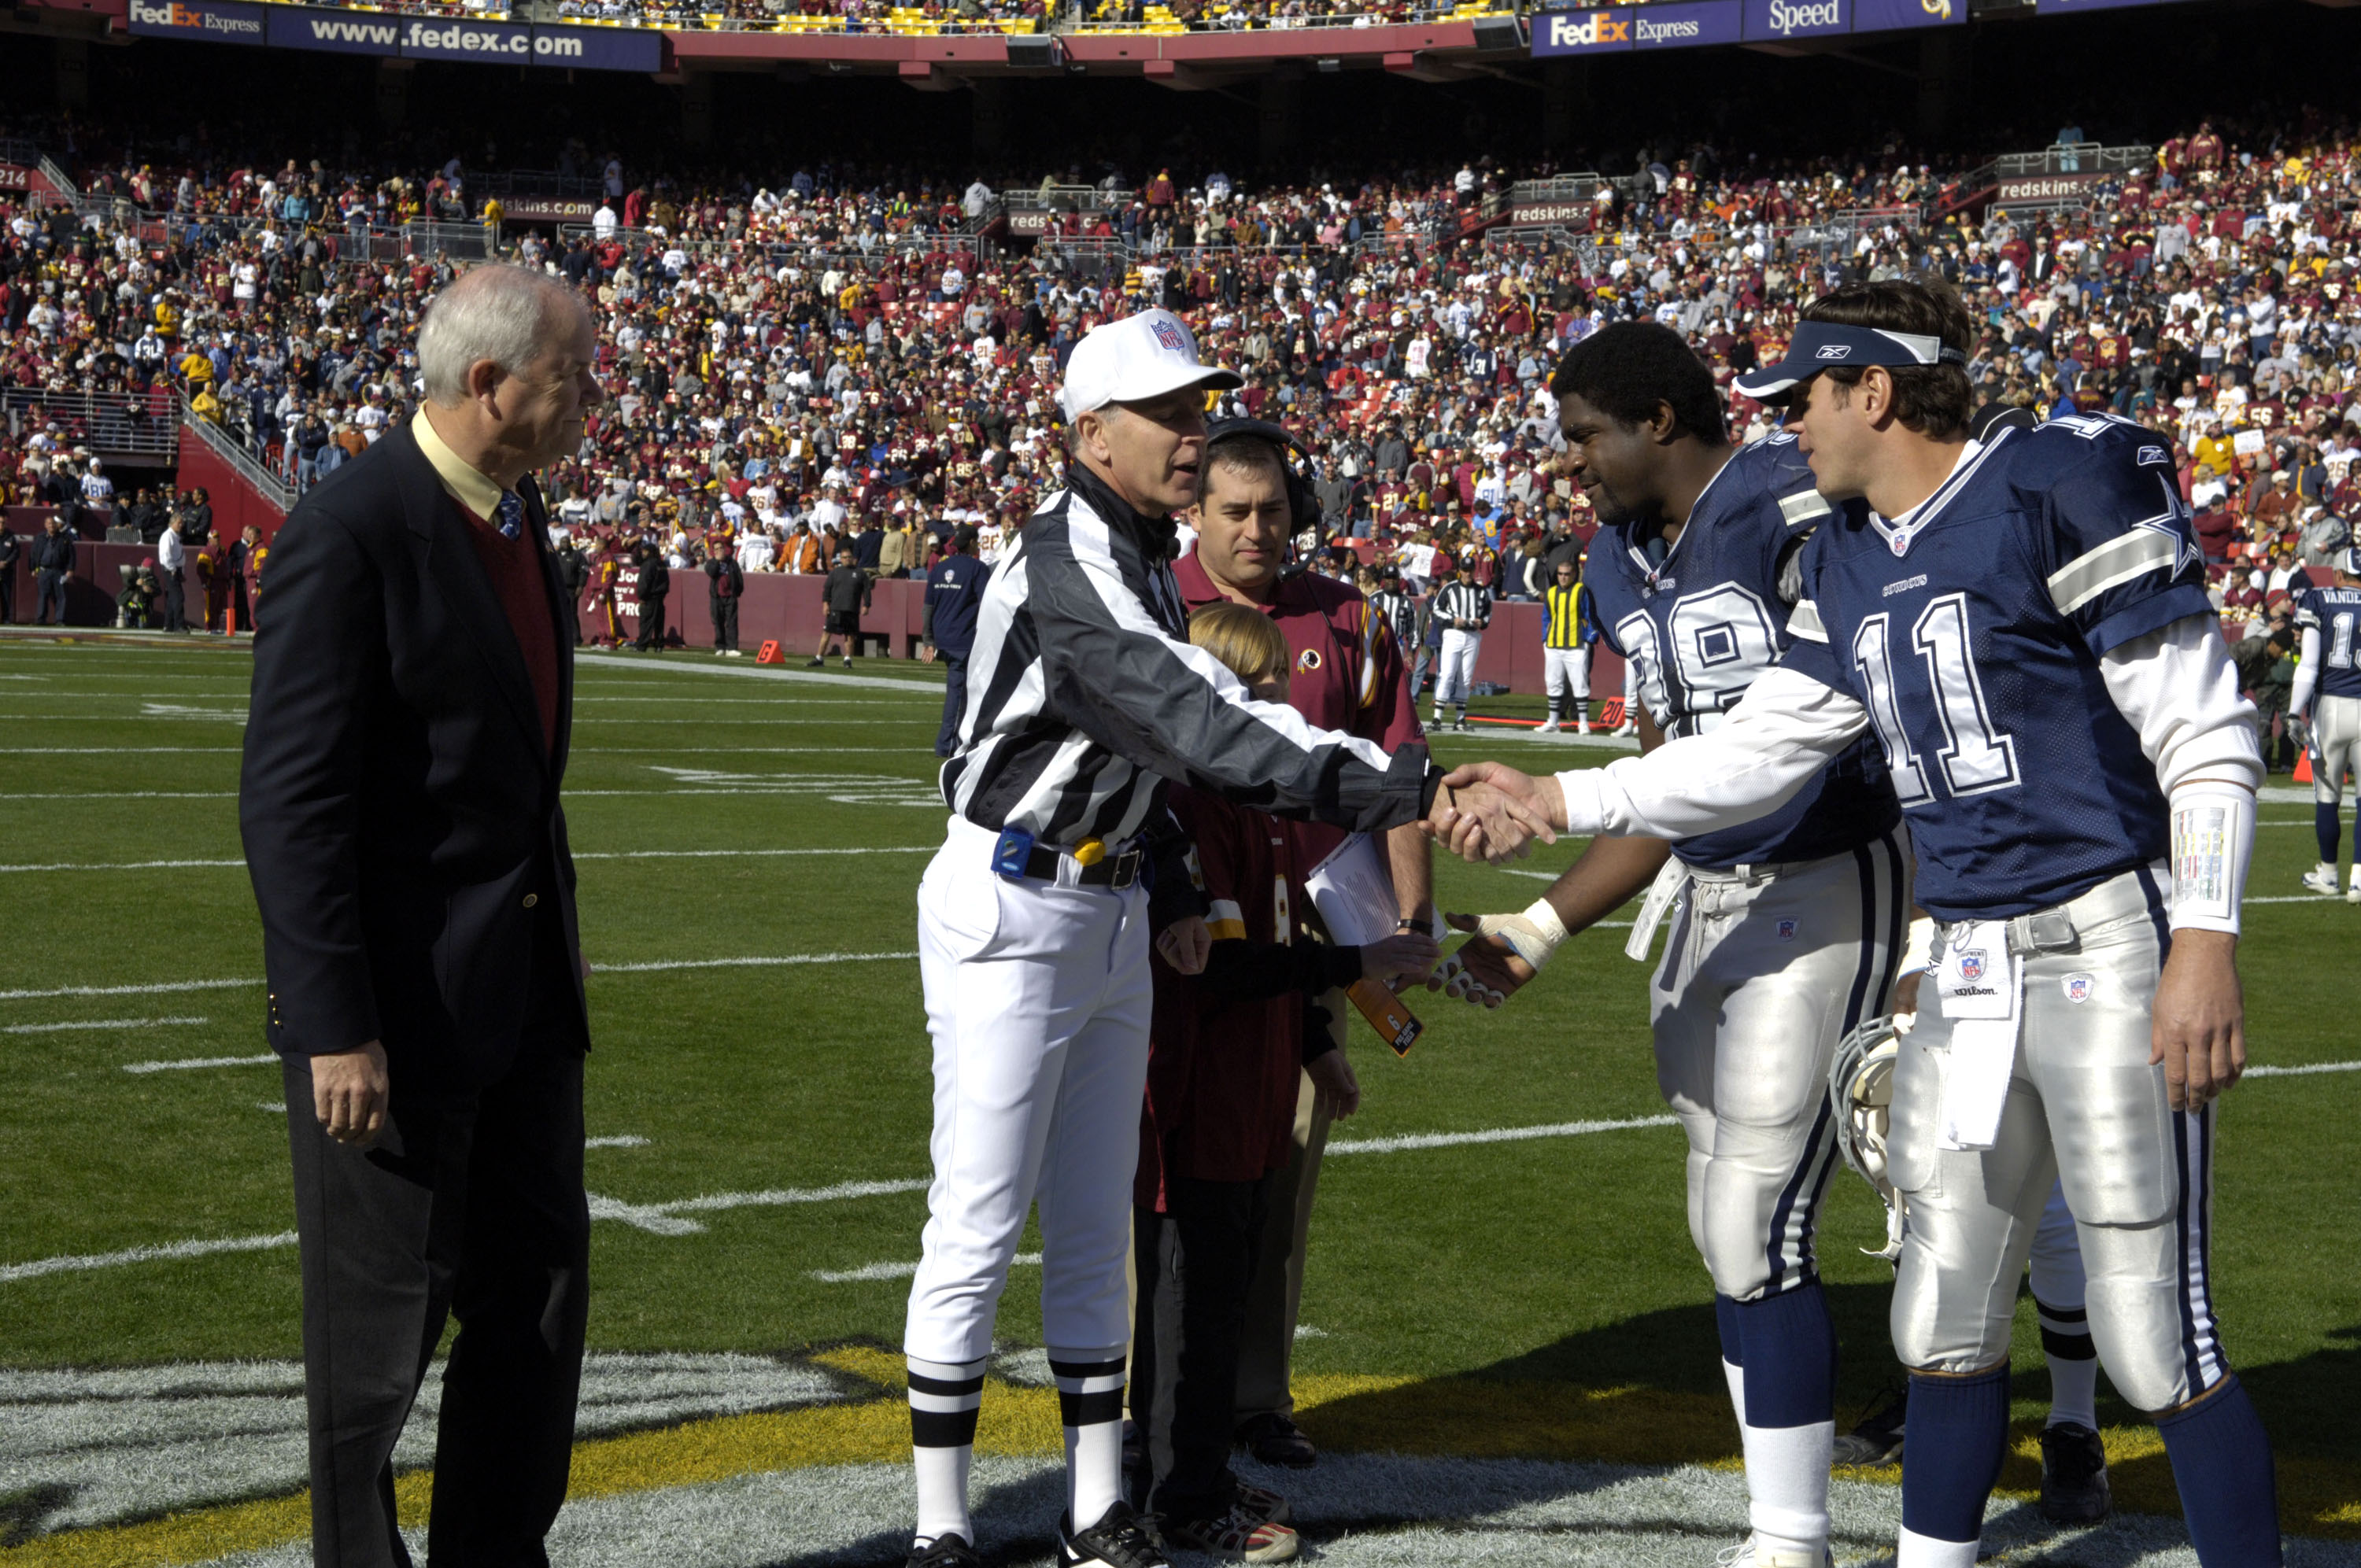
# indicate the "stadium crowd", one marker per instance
pixel 838 360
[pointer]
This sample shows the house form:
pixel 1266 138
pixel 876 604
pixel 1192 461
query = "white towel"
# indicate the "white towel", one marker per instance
pixel 1982 987
pixel 1671 883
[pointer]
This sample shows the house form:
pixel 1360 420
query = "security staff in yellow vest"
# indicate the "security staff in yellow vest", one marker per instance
pixel 1566 649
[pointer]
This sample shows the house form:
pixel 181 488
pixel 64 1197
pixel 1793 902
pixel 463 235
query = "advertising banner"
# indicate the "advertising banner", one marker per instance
pixel 1576 215
pixel 2020 190
pixel 439 38
pixel 2060 8
pixel 1686 26
pixel 598 49
pixel 545 210
pixel 215 21
pixel 482 43
pixel 1775 21
pixel 1581 32
pixel 1890 15
pixel 338 32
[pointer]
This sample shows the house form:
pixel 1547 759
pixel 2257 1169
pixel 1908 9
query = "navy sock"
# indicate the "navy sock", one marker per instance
pixel 2323 823
pixel 2229 1490
pixel 1725 1318
pixel 1959 1427
pixel 1790 1358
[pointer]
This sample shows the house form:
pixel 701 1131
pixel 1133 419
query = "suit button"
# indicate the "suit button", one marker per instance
pixel 531 899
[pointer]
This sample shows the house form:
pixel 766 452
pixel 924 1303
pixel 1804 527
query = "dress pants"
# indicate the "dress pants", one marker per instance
pixel 725 624
pixel 954 703
pixel 7 593
pixel 50 589
pixel 469 1204
pixel 176 603
pixel 652 622
pixel 1196 1262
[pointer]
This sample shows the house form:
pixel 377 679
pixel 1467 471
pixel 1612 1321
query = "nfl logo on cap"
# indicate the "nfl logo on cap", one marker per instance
pixel 1168 334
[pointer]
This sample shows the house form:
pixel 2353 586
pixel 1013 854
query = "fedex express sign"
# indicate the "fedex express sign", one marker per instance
pixel 218 21
pixel 1637 26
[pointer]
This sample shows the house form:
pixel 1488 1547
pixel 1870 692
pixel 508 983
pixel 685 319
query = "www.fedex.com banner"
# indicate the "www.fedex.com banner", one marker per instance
pixel 411 37
pixel 1701 22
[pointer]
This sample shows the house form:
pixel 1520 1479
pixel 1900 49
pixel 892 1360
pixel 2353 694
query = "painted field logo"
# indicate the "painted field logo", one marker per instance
pixel 1971 964
pixel 1169 336
pixel 2079 987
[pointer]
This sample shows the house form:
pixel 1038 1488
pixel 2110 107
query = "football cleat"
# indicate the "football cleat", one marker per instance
pixel 1264 1503
pixel 1550 728
pixel 2074 1487
pixel 2352 894
pixel 948 1550
pixel 1275 1440
pixel 2321 878
pixel 1121 1539
pixel 1748 1554
pixel 1877 1440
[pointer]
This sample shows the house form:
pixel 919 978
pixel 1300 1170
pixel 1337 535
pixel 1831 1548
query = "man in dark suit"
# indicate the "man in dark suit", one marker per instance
pixel 412 704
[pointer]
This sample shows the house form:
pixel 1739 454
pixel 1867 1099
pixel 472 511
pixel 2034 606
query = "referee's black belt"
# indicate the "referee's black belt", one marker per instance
pixel 1118 871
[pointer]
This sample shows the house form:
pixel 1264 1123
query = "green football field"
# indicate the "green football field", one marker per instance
pixel 749 844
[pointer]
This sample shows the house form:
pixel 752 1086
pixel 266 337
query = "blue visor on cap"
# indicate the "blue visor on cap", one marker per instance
pixel 1825 345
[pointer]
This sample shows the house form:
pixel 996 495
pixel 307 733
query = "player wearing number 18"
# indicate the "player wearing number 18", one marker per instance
pixel 2021 623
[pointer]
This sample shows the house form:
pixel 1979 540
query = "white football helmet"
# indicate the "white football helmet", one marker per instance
pixel 1860 1086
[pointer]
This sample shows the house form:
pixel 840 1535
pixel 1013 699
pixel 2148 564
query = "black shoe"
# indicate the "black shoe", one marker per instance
pixel 948 1550
pixel 1121 1539
pixel 1878 1439
pixel 2073 1475
pixel 816 663
pixel 1275 1440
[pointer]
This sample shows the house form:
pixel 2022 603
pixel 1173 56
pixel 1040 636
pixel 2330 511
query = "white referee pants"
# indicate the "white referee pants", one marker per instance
pixel 1455 673
pixel 1568 677
pixel 1037 997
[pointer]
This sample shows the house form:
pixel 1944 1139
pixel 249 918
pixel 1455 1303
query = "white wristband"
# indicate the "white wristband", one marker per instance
pixel 2212 840
pixel 1548 934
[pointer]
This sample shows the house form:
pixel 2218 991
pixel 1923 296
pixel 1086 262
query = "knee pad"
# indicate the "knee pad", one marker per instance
pixel 1931 1334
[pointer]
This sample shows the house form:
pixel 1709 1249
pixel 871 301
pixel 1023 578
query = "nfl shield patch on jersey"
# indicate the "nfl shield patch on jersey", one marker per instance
pixel 1786 930
pixel 2079 987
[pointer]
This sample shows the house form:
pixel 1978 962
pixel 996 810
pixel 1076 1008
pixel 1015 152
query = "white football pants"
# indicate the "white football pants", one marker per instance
pixel 2335 746
pixel 1037 997
pixel 1766 969
pixel 1567 673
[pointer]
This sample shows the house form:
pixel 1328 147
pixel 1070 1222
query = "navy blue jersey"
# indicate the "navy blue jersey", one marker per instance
pixel 1971 633
pixel 2337 613
pixel 1700 622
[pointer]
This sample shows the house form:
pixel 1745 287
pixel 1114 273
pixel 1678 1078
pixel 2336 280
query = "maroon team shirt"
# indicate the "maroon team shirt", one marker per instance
pixel 1348 672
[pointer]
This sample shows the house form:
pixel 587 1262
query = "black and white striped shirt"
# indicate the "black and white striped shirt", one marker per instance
pixel 1083 696
pixel 1463 601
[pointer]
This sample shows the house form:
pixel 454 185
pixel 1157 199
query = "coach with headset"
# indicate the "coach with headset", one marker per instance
pixel 1347 675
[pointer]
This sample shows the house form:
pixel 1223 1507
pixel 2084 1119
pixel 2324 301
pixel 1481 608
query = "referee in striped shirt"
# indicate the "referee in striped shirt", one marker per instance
pixel 1083 696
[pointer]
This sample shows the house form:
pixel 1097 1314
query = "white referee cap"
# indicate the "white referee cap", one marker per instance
pixel 1135 360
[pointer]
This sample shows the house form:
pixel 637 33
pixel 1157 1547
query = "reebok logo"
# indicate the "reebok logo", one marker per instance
pixel 1835 351
pixel 1593 31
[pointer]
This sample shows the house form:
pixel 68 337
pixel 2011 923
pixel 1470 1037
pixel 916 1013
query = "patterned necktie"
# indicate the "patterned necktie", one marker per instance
pixel 512 514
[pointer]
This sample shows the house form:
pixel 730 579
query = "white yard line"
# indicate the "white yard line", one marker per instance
pixel 2303 1072
pixel 122 866
pixel 159 988
pixel 167 1253
pixel 618 662
pixel 187 1063
pixel 657 966
pixel 136 795
pixel 1411 1141
pixel 618 1141
pixel 113 750
pixel 104 1024
pixel 578 854
pixel 665 1219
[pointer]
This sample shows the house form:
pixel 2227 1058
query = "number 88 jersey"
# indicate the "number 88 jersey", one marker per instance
pixel 1698 621
pixel 1972 628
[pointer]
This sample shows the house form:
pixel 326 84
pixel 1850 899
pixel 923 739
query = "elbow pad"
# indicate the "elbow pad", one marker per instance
pixel 2212 840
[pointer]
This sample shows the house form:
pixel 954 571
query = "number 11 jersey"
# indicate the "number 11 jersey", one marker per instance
pixel 1972 628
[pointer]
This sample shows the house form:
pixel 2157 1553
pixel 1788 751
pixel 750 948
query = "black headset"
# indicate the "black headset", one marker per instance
pixel 1302 506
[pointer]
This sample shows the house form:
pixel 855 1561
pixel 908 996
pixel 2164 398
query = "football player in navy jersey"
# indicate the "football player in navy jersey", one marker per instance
pixel 2327 696
pixel 1790 928
pixel 2021 623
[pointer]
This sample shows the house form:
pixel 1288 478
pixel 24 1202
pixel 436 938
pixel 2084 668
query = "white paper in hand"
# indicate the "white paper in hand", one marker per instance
pixel 1353 890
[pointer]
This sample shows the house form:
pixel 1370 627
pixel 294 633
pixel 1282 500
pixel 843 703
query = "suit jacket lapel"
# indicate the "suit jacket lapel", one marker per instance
pixel 451 561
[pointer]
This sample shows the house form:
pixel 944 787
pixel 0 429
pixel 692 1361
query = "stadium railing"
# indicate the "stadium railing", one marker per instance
pixel 249 464
pixel 111 424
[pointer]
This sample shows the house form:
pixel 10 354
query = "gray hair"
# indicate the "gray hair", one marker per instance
pixel 506 314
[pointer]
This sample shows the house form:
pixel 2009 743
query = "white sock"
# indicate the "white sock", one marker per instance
pixel 1735 1376
pixel 1787 1486
pixel 1926 1551
pixel 944 1397
pixel 2074 1392
pixel 1090 1407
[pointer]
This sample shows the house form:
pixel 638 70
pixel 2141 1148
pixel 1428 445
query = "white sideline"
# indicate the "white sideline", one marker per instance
pixel 198 1061
pixel 102 1023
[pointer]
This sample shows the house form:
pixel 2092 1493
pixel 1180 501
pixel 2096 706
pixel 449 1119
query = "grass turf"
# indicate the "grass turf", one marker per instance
pixel 1560 1262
